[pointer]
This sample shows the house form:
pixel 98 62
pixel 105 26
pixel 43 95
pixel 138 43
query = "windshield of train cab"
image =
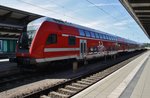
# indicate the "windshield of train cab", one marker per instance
pixel 29 33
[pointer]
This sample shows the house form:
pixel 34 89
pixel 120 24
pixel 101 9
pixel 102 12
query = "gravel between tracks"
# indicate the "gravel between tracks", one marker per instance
pixel 47 82
pixel 26 89
pixel 8 68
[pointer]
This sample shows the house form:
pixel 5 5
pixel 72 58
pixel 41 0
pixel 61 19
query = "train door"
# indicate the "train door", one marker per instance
pixel 83 48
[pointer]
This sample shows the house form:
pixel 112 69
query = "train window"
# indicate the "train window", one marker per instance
pixel 114 38
pixel 87 34
pixel 107 37
pixel 93 34
pixel 100 36
pixel 71 40
pixel 81 32
pixel 111 38
pixel 104 36
pixel 97 35
pixel 52 39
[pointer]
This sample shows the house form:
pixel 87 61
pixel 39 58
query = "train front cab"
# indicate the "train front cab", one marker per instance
pixel 48 42
pixel 25 46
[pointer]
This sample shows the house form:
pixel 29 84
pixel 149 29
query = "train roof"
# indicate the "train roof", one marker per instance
pixel 41 20
pixel 74 25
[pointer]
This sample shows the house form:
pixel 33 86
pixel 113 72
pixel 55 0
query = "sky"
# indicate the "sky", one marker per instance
pixel 104 15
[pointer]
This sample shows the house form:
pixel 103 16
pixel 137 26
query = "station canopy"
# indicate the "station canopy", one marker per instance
pixel 140 11
pixel 12 21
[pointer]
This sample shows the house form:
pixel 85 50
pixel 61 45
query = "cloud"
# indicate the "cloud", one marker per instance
pixel 123 23
pixel 93 23
pixel 101 25
pixel 105 4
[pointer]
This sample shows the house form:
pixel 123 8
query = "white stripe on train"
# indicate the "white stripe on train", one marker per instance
pixel 55 58
pixel 75 56
pixel 60 49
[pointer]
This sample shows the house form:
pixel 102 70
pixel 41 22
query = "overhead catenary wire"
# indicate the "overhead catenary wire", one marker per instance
pixel 121 13
pixel 114 18
pixel 49 10
pixel 102 10
pixel 125 18
pixel 63 7
pixel 88 1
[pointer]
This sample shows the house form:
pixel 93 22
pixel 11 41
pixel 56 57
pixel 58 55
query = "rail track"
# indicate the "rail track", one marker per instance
pixel 77 84
pixel 9 81
pixel 21 77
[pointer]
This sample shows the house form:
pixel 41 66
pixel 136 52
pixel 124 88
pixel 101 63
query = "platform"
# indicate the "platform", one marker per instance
pixel 130 81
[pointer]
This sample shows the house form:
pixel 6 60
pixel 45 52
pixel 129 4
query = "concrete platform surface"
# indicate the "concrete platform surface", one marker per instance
pixel 129 81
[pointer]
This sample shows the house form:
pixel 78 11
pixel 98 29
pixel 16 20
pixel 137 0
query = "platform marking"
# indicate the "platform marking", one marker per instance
pixel 90 89
pixel 118 91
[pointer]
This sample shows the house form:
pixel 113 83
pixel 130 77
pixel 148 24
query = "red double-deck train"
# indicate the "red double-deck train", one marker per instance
pixel 47 40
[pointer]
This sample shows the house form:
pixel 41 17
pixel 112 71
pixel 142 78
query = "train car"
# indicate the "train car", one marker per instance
pixel 47 40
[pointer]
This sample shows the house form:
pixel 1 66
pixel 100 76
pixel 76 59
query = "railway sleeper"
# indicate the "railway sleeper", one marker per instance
pixel 101 75
pixel 44 96
pixel 66 91
pixel 108 70
pixel 57 95
pixel 87 80
pixel 84 82
pixel 79 85
pixel 97 75
pixel 103 72
pixel 70 87
pixel 93 78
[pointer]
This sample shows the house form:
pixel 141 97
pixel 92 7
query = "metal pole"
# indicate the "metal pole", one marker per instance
pixel 75 66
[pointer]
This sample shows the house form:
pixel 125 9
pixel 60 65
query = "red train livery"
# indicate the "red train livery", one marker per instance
pixel 47 39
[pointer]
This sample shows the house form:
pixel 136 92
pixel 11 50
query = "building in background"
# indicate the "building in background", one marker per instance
pixel 12 22
pixel 7 46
